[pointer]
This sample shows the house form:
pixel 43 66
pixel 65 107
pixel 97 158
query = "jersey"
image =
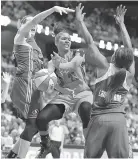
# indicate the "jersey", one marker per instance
pixel 28 61
pixel 24 58
pixel 76 79
pixel 28 58
pixel 117 100
pixel 37 55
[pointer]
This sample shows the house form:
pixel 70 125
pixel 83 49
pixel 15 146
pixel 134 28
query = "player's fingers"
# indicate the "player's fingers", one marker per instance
pixel 60 12
pixel 82 8
pixel 83 15
pixel 64 11
pixel 125 11
pixel 79 6
pixel 70 10
pixel 120 9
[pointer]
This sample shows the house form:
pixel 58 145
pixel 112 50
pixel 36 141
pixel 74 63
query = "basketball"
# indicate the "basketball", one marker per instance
pixel 44 81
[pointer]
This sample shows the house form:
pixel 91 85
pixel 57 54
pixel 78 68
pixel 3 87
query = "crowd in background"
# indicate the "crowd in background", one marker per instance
pixel 99 21
pixel 11 126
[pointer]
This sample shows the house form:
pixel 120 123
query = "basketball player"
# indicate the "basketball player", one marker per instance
pixel 72 78
pixel 107 128
pixel 24 95
pixel 6 79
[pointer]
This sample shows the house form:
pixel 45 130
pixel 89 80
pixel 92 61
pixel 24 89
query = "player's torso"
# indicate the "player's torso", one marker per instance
pixel 37 56
pixel 28 59
pixel 72 79
pixel 117 100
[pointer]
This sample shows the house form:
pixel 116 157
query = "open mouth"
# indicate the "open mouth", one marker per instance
pixel 67 45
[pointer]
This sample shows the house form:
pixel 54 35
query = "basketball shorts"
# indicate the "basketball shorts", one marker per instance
pixel 72 103
pixel 25 98
pixel 107 132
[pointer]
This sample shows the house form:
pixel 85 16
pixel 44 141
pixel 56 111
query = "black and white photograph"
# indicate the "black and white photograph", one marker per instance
pixel 69 79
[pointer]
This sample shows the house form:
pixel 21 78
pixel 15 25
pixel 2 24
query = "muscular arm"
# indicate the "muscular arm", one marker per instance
pixel 23 31
pixel 94 56
pixel 73 64
pixel 127 43
pixel 125 36
pixel 67 66
pixel 119 17
pixel 36 20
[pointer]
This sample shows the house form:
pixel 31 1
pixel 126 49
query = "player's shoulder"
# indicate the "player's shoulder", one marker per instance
pixel 19 39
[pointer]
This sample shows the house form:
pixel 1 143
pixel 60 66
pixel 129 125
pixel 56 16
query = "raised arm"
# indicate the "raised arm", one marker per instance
pixel 40 17
pixel 119 17
pixel 94 56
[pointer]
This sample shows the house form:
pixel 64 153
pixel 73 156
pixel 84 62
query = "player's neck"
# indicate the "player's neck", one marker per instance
pixel 62 53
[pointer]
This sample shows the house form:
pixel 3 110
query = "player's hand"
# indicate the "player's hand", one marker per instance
pixel 70 92
pixel 79 14
pixel 120 13
pixel 6 77
pixel 40 73
pixel 79 59
pixel 61 10
pixel 56 59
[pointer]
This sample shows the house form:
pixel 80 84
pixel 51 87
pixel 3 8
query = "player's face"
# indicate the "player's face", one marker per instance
pixel 64 42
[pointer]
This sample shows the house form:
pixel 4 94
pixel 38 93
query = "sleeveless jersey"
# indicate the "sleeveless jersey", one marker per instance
pixel 37 55
pixel 28 58
pixel 74 80
pixel 117 100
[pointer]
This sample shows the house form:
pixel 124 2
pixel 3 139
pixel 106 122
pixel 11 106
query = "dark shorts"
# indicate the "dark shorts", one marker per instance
pixel 25 98
pixel 107 132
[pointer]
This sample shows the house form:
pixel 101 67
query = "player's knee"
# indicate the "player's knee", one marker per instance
pixel 30 130
pixel 41 118
pixel 85 107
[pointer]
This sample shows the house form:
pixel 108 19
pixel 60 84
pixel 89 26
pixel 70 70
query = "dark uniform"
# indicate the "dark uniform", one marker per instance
pixel 107 129
pixel 29 60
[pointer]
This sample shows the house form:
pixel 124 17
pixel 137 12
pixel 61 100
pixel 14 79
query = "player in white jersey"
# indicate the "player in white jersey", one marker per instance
pixel 24 94
pixel 71 76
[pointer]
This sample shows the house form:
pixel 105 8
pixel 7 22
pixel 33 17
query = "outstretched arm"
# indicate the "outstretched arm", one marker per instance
pixel 94 56
pixel 119 17
pixel 23 31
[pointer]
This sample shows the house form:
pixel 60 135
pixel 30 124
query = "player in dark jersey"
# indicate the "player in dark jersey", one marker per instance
pixel 107 128
pixel 24 95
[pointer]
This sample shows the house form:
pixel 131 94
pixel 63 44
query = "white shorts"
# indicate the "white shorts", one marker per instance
pixel 72 104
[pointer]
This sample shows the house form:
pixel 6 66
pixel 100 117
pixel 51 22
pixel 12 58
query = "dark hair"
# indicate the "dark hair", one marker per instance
pixel 123 58
pixel 114 83
pixel 24 19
